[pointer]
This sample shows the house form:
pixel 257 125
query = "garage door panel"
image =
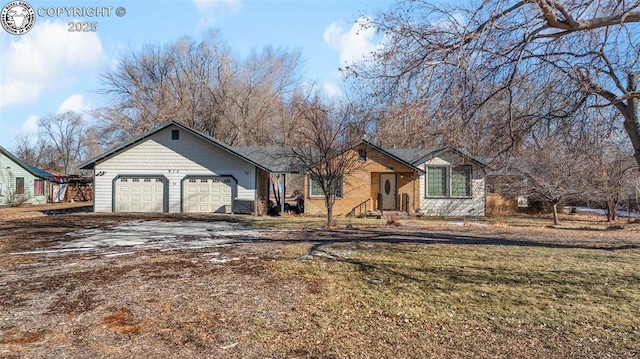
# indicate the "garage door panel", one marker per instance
pixel 139 194
pixel 207 195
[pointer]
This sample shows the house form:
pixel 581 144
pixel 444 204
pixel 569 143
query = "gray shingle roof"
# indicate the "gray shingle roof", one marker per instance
pixel 276 159
pixel 280 159
pixel 417 156
pixel 410 154
pixel 40 173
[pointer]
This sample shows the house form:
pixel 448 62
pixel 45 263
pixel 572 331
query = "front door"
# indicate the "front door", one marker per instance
pixel 388 191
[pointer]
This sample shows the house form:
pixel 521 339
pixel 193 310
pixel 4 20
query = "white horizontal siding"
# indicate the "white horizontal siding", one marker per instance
pixel 175 160
pixel 454 207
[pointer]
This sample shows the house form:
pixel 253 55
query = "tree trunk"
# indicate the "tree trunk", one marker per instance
pixel 611 213
pixel 610 216
pixel 556 221
pixel 329 216
pixel 329 204
pixel 631 122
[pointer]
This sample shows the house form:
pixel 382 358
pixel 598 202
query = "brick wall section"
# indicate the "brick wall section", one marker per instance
pixel 364 184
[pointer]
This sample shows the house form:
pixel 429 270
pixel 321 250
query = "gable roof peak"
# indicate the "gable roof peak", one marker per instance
pixel 38 172
pixel 90 164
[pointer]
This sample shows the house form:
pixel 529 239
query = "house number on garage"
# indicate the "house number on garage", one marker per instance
pixel 174 171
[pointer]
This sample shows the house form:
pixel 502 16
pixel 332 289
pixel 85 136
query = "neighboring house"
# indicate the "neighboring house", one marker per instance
pixel 433 182
pixel 174 168
pixel 20 182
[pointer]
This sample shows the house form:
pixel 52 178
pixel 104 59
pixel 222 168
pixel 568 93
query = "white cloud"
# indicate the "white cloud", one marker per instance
pixel 355 43
pixel 75 103
pixel 454 23
pixel 332 90
pixel 30 126
pixel 213 10
pixel 43 59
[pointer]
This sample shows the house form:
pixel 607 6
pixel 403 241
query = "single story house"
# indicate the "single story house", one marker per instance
pixel 20 182
pixel 174 168
pixel 432 182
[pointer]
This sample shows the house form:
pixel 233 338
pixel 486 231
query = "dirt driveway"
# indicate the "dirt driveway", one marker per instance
pixel 78 285
pixel 166 286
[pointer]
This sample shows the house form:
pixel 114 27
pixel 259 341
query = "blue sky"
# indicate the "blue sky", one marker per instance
pixel 50 69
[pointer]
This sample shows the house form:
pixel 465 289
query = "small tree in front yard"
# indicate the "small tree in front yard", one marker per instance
pixel 324 146
pixel 15 199
pixel 553 169
pixel 611 166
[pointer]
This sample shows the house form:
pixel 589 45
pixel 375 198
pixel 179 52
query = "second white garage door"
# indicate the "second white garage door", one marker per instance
pixel 139 194
pixel 207 195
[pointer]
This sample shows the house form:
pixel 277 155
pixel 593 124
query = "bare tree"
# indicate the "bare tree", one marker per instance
pixel 323 147
pixel 489 61
pixel 158 83
pixel 610 166
pixel 64 135
pixel 30 149
pixel 553 169
pixel 609 180
pixel 240 102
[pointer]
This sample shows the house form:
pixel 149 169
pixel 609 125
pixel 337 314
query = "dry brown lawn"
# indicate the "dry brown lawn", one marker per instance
pixel 420 290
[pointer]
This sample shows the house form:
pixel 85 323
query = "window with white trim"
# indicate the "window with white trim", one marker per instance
pixel 448 181
pixel 315 190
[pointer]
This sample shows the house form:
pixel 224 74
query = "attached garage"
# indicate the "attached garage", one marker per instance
pixel 173 168
pixel 208 194
pixel 139 194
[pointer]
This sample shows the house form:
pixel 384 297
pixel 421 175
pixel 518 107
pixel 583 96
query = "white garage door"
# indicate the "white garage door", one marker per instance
pixel 139 194
pixel 207 195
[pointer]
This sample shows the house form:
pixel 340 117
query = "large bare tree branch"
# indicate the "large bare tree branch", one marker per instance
pixel 502 68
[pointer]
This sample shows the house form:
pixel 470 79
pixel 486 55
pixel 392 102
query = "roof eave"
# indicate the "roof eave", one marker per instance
pixel 21 163
pixel 440 151
pixel 92 162
pixel 392 156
